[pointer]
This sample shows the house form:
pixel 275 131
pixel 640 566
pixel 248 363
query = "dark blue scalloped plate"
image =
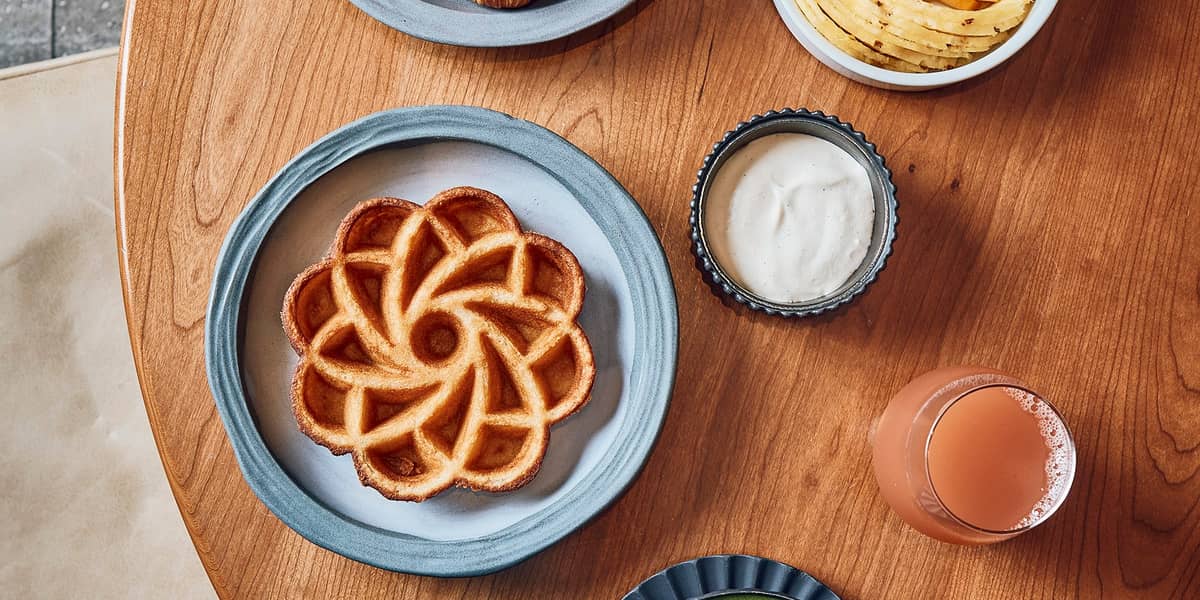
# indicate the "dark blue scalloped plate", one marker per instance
pixel 712 577
pixel 842 135
pixel 554 188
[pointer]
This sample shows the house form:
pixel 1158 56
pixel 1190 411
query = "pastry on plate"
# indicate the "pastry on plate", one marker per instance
pixel 438 344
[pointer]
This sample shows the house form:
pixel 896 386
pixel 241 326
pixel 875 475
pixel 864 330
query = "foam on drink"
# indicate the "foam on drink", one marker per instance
pixel 1060 465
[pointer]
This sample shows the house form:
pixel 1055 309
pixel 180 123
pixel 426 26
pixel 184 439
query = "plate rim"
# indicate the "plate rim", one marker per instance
pixel 652 370
pixel 444 26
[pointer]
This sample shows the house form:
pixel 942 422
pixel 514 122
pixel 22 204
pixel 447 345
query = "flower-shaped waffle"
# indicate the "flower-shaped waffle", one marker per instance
pixel 438 344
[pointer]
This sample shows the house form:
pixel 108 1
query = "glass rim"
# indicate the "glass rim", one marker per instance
pixel 1058 502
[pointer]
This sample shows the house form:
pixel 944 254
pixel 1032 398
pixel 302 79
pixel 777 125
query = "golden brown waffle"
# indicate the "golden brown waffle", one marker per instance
pixel 438 344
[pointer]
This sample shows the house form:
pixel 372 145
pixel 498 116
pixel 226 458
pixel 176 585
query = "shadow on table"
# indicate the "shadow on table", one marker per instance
pixel 1106 45
pixel 937 250
pixel 560 46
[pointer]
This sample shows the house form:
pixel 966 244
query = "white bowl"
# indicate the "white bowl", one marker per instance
pixel 862 72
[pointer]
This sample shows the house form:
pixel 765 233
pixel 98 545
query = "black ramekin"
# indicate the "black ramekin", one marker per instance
pixel 843 136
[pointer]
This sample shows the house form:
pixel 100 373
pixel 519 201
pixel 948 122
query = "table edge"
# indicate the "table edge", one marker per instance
pixel 121 93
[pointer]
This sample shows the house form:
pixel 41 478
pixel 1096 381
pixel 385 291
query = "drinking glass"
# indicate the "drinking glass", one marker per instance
pixel 969 455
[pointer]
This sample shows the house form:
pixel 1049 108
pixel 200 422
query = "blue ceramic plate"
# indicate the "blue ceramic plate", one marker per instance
pixel 554 188
pixel 465 23
pixel 715 577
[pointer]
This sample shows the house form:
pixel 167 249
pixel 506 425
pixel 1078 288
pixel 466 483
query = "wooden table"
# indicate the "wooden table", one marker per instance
pixel 1050 227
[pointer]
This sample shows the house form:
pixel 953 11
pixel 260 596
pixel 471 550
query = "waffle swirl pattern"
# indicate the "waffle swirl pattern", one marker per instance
pixel 438 344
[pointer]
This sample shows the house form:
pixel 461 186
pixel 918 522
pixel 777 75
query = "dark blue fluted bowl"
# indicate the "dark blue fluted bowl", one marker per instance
pixel 843 136
pixel 711 577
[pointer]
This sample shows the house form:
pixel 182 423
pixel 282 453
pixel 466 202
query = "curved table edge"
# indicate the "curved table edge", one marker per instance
pixel 119 204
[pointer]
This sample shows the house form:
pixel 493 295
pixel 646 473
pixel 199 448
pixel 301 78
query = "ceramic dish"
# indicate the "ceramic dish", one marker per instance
pixel 859 71
pixel 554 188
pixel 465 23
pixel 725 575
pixel 841 135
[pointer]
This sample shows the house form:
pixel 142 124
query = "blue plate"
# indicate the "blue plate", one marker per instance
pixel 465 23
pixel 725 574
pixel 554 188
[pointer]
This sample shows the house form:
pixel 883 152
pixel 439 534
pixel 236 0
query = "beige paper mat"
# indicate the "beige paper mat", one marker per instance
pixel 85 510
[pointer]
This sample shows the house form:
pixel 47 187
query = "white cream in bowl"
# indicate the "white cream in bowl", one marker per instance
pixel 789 217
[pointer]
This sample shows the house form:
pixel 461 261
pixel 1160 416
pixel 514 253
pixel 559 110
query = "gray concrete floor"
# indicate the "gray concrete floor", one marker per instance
pixel 32 30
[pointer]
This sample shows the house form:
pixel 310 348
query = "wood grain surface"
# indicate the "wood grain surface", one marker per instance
pixel 1049 227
